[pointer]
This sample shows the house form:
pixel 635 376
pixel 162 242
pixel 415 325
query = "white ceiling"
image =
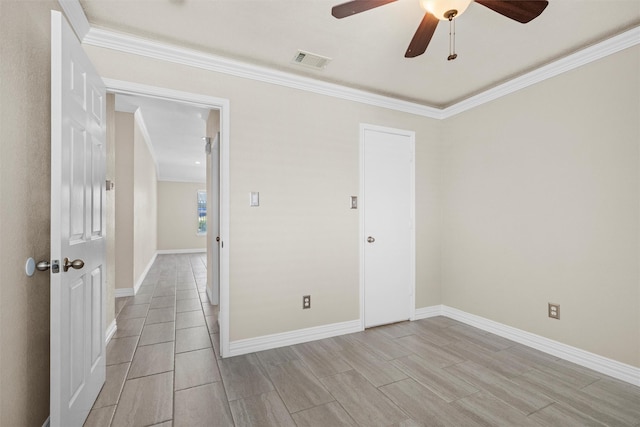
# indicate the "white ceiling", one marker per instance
pixel 367 49
pixel 175 132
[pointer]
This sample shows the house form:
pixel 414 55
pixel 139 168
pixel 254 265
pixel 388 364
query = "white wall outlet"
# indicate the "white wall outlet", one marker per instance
pixel 554 311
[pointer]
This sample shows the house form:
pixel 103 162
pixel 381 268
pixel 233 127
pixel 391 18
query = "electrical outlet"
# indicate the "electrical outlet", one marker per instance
pixel 554 311
pixel 306 302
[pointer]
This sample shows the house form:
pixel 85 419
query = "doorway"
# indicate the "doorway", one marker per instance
pixel 387 190
pixel 222 107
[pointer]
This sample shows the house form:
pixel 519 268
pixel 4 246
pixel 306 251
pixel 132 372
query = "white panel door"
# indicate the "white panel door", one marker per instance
pixel 77 229
pixel 388 235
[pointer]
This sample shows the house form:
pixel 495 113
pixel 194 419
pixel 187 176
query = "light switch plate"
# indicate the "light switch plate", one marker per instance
pixel 354 202
pixel 254 199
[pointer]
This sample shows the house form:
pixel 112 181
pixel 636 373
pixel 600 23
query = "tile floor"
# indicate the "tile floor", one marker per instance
pixel 163 369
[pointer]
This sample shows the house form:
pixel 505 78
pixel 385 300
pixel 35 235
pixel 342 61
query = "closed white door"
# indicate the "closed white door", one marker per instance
pixel 387 178
pixel 77 229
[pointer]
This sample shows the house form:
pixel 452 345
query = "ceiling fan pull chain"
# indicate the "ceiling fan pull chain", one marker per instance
pixel 452 38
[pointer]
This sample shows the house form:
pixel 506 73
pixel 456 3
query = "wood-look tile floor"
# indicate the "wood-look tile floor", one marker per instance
pixel 164 369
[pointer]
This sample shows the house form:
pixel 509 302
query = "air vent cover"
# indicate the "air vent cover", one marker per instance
pixel 310 60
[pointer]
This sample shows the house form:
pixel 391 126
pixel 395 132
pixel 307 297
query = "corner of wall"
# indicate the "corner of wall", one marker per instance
pixel 25 132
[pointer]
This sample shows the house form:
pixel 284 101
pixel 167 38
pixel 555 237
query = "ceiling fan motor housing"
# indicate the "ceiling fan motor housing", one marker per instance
pixel 521 11
pixel 445 9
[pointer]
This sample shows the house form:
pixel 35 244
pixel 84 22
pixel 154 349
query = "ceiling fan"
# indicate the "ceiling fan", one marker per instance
pixel 445 10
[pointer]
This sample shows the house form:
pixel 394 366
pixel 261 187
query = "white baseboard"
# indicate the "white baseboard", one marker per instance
pixel 111 330
pixel 144 273
pixel 124 292
pixel 299 336
pixel 210 296
pixel 426 312
pixel 604 365
pixel 46 423
pixel 181 251
pixel 129 292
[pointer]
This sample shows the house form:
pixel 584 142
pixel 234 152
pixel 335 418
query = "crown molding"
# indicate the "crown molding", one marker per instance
pixel 139 119
pixel 192 58
pixel 582 57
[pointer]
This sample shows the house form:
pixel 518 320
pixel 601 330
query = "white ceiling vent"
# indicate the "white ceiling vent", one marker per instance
pixel 310 60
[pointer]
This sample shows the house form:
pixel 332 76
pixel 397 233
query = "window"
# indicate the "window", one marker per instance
pixel 202 212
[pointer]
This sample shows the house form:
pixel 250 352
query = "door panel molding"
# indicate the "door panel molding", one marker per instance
pixel 77 322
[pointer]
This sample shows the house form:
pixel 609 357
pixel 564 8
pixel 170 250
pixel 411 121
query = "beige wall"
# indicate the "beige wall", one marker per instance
pixel 304 238
pixel 136 202
pixel 300 151
pixel 124 124
pixel 178 216
pixel 145 206
pixel 25 87
pixel 541 204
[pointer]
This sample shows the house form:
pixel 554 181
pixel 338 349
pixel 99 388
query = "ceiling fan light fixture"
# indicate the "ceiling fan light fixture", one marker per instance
pixel 442 9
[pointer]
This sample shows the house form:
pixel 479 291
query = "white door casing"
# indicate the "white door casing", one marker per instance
pixel 77 228
pixel 387 235
pixel 223 105
pixel 214 217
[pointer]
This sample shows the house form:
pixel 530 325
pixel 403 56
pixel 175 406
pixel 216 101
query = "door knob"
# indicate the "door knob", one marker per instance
pixel 217 238
pixel 76 264
pixel 43 266
pixel 370 239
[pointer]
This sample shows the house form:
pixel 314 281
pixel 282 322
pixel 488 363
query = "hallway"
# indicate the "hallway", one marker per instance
pixel 162 348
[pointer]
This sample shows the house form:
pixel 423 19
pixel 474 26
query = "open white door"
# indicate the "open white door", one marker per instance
pixel 77 229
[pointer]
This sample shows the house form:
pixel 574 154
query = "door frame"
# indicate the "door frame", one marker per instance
pixel 364 127
pixel 120 87
pixel 213 287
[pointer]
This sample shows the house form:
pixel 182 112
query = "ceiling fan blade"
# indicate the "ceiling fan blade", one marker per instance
pixel 356 6
pixel 519 10
pixel 422 37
